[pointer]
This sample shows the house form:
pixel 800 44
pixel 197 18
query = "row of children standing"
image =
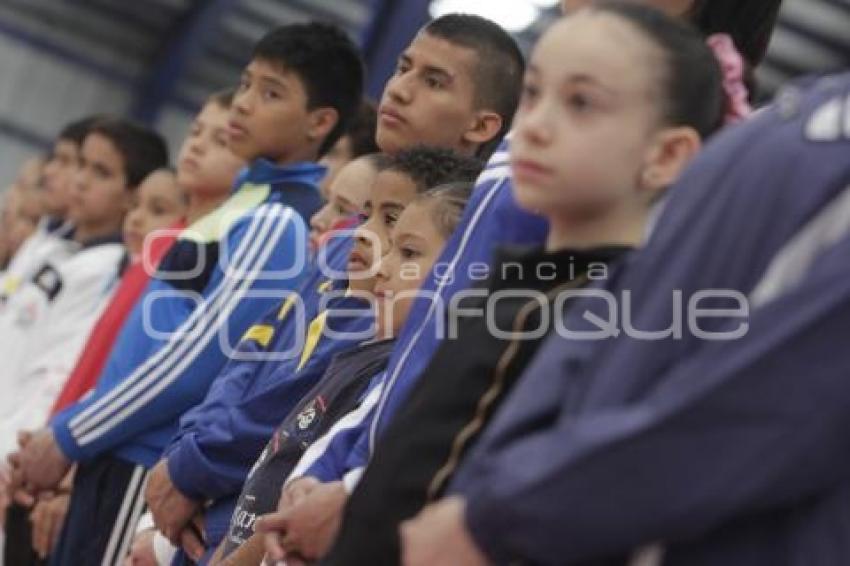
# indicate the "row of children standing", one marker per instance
pixel 287 113
pixel 598 140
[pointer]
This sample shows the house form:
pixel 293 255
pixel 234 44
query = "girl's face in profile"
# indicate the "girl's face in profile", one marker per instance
pixel 415 245
pixel 157 205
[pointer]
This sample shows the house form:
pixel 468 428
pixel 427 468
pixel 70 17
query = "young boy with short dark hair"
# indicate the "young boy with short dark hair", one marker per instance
pixel 408 91
pixel 457 85
pixel 51 237
pixel 46 322
pixel 205 172
pixel 216 446
pixel 223 273
pixel 472 118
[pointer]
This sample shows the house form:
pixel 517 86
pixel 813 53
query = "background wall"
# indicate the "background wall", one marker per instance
pixel 156 60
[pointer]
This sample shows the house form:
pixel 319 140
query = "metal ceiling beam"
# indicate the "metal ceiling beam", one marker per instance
pixel 46 44
pixel 182 45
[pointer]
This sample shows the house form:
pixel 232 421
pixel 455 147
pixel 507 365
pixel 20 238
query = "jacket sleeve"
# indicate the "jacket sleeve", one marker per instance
pixel 260 255
pixel 235 378
pixel 739 427
pixel 328 459
pixel 192 470
pixel 213 458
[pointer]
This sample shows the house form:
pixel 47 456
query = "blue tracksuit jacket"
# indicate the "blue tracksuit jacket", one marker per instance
pixel 492 219
pixel 221 438
pixel 223 273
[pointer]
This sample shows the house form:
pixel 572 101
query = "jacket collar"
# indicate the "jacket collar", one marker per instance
pixel 265 172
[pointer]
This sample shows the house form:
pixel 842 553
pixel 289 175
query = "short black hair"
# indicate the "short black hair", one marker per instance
pixel 499 70
pixel 362 128
pixel 429 167
pixel 328 64
pixel 143 150
pixel 692 84
pixel 77 130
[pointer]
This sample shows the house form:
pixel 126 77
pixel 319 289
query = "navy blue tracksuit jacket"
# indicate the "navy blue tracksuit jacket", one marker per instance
pixel 718 452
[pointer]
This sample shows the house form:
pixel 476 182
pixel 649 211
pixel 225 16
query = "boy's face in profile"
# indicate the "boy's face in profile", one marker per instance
pixel 206 164
pixel 269 117
pixel 391 192
pixel 59 174
pixel 415 246
pixel 100 194
pixel 430 100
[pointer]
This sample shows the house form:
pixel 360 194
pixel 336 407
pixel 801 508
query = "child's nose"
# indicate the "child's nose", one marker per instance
pixel 533 126
pixel 383 272
pixel 80 181
pixel 135 219
pixel 363 237
pixel 242 103
pixel 398 89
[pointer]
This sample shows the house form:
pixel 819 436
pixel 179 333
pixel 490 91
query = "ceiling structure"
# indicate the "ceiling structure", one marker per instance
pixel 178 51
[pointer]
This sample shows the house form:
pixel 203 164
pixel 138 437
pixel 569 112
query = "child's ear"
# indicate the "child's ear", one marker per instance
pixel 672 151
pixel 322 121
pixel 485 126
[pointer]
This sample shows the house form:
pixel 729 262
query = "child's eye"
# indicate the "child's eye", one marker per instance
pixel 244 85
pixel 433 82
pixel 390 219
pixel 579 102
pixel 530 92
pixel 100 172
pixel 401 68
pixel 271 95
pixel 409 253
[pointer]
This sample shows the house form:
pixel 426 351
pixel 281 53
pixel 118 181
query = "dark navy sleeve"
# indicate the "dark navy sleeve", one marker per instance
pixel 739 427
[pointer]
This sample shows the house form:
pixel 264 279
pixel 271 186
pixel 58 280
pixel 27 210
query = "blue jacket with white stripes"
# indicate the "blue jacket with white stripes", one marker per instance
pixel 492 219
pixel 223 273
pixel 220 439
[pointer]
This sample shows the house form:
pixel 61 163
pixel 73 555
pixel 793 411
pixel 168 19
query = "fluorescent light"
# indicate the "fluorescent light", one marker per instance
pixel 513 15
